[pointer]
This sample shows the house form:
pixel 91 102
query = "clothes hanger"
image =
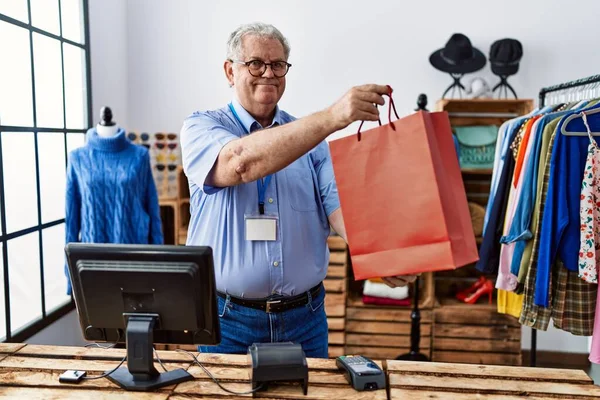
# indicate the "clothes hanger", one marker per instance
pixel 588 113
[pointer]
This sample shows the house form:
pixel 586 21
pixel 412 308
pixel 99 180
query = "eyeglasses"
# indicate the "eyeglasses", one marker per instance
pixel 171 167
pixel 132 136
pixel 162 157
pixel 161 177
pixel 171 146
pixel 162 136
pixel 257 68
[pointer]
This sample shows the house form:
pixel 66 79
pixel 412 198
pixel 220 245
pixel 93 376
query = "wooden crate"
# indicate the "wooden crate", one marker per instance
pixel 383 331
pixel 336 284
pixel 466 112
pixel 475 334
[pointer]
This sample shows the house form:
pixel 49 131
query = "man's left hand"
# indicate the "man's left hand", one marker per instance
pixel 399 281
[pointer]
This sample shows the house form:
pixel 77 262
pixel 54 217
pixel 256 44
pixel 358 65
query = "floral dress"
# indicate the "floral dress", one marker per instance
pixel 589 254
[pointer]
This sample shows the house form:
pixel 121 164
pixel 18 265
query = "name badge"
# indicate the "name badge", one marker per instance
pixel 261 227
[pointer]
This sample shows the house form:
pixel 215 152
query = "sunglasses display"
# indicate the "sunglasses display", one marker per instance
pixel 165 158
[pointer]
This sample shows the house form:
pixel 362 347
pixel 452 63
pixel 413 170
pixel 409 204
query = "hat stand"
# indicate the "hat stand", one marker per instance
pixel 503 85
pixel 456 85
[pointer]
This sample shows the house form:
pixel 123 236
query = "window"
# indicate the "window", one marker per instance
pixel 45 104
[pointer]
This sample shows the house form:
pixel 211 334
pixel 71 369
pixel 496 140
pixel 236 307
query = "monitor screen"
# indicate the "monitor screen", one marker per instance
pixel 175 284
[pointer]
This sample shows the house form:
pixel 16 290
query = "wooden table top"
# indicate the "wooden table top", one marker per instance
pixel 32 371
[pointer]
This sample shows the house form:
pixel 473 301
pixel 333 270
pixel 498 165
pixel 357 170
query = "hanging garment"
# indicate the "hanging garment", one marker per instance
pixel 572 301
pixel 509 303
pixel 595 351
pixel 505 136
pixel 560 225
pixel 489 252
pixel 502 143
pixel 111 196
pixel 534 316
pixel 541 188
pixel 589 256
pixel 506 280
pixel 520 230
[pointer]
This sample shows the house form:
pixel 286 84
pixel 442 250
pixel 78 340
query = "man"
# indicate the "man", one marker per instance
pixel 263 196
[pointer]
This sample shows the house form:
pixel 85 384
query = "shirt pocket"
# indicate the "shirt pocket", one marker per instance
pixel 302 189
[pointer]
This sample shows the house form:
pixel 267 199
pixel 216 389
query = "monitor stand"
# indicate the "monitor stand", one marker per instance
pixel 140 374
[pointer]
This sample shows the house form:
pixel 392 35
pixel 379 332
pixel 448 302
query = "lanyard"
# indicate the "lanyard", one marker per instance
pixel 260 184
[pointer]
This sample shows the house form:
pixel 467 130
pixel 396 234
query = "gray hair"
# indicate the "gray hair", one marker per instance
pixel 234 43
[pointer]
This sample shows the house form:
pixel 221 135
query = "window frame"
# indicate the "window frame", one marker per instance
pixel 47 318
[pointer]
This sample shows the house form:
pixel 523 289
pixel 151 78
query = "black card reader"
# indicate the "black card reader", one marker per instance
pixel 361 372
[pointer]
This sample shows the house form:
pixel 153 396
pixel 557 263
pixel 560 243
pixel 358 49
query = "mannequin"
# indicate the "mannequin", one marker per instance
pixel 106 127
pixel 111 196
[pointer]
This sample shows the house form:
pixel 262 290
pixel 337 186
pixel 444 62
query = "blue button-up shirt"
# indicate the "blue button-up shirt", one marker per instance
pixel 302 196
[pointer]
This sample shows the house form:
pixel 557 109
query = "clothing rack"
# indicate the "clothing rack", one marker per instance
pixel 580 89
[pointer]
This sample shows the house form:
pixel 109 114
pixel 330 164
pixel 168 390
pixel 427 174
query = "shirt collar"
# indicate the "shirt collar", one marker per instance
pixel 248 120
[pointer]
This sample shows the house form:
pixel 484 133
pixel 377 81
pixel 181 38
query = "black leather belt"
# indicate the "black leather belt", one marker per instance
pixel 275 305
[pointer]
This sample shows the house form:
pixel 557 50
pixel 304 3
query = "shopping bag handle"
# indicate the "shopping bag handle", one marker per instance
pixel 390 107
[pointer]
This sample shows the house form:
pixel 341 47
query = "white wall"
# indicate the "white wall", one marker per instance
pixel 156 61
pixel 108 49
pixel 177 47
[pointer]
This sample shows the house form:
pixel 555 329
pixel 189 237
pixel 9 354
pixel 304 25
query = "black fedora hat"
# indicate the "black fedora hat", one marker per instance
pixel 458 56
pixel 505 55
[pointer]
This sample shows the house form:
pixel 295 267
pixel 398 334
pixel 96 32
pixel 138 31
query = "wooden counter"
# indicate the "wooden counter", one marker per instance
pixel 444 381
pixel 31 372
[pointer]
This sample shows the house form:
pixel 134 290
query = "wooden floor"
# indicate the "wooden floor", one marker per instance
pixel 32 371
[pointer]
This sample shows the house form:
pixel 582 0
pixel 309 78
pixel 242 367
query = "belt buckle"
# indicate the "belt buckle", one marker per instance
pixel 269 303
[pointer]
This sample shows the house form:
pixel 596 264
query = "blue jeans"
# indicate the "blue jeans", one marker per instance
pixel 242 326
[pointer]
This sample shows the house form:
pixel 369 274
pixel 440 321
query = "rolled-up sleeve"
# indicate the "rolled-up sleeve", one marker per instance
pixel 202 139
pixel 321 158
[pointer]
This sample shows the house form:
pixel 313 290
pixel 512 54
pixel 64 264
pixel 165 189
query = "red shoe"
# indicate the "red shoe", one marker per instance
pixel 486 288
pixel 463 294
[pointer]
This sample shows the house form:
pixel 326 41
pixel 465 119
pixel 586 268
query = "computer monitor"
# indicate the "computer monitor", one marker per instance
pixel 144 294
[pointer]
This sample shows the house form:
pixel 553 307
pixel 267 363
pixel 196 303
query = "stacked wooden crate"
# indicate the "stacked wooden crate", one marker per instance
pixel 383 331
pixel 336 284
pixel 475 334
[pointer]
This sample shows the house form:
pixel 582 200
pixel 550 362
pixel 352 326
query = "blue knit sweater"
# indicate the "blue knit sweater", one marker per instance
pixel 111 196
